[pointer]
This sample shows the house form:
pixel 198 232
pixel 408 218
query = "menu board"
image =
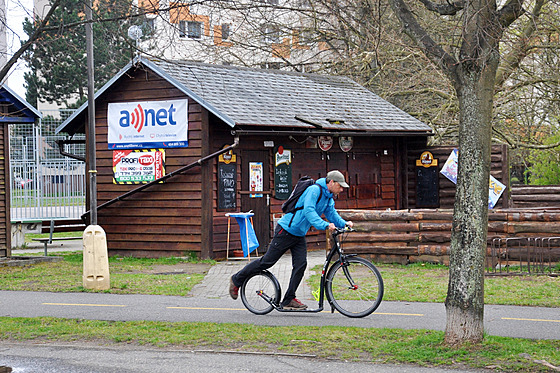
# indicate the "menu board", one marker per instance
pixel 282 173
pixel 427 187
pixel 227 182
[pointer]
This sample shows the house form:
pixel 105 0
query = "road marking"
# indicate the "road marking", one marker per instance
pixel 208 308
pixel 519 319
pixel 326 311
pixel 398 314
pixel 84 304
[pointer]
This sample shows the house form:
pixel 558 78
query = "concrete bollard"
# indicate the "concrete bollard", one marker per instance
pixel 96 261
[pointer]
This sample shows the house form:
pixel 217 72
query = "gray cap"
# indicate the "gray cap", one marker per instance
pixel 337 176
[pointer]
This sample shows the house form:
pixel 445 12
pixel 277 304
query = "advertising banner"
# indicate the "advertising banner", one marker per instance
pixel 137 166
pixel 148 124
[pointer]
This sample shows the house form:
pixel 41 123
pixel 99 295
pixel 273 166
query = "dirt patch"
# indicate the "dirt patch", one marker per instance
pixel 175 269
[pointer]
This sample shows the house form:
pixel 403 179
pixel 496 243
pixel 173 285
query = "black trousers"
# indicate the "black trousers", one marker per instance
pixel 281 242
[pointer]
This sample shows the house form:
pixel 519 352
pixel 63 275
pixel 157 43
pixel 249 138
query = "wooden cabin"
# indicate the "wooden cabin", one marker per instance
pixel 271 126
pixel 13 110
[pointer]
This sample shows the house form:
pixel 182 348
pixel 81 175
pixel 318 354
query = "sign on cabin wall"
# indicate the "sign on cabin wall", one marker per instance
pixel 256 178
pixel 147 124
pixel 427 181
pixel 325 143
pixel 346 143
pixel 138 166
pixel 227 181
pixel 282 173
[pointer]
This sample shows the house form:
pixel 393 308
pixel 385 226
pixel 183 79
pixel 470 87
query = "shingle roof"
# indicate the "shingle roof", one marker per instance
pixel 273 98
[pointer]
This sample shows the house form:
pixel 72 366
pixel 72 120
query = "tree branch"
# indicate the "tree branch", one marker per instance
pixel 448 9
pixel 519 144
pixel 521 48
pixel 40 29
pixel 418 34
pixel 512 10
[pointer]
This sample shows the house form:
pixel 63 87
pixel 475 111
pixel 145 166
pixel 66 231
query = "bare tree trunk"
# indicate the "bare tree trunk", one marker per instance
pixel 465 293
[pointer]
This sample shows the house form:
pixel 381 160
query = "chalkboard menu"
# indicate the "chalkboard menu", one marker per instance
pixel 227 182
pixel 427 181
pixel 427 187
pixel 282 173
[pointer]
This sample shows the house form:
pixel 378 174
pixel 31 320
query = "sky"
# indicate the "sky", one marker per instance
pixel 17 10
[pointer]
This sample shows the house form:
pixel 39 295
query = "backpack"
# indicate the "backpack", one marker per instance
pixel 289 205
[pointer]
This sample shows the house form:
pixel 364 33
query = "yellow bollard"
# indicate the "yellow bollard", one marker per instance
pixel 96 261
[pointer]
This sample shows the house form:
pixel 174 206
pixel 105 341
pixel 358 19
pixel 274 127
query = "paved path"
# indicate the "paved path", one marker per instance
pixel 216 282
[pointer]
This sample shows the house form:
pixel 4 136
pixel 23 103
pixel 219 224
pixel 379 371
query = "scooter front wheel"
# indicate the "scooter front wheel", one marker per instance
pixel 264 283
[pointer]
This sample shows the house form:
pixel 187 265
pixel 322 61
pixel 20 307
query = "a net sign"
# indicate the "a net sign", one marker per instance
pixel 148 124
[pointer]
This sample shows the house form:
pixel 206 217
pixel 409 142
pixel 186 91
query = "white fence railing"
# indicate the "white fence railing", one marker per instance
pixel 44 184
pixel 51 189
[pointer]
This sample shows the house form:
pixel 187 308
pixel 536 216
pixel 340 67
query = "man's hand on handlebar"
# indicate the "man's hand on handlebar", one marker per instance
pixel 332 227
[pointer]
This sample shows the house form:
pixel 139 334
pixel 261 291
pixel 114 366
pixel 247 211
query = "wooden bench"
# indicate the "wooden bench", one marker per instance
pixel 60 225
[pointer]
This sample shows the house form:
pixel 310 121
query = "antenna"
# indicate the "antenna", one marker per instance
pixel 135 33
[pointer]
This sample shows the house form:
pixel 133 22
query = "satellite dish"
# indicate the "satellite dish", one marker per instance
pixel 135 32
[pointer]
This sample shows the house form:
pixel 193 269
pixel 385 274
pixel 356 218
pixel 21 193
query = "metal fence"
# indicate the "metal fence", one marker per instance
pixel 45 184
pixel 523 255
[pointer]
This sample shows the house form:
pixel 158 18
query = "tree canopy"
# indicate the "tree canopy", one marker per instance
pixel 57 58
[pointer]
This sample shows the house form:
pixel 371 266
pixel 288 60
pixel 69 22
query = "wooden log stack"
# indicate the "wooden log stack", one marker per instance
pixel 535 196
pixel 405 236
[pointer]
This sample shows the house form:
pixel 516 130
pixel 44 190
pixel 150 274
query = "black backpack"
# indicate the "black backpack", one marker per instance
pixel 289 205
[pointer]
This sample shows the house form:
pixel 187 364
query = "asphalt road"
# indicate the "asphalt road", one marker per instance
pixel 507 321
pixel 124 359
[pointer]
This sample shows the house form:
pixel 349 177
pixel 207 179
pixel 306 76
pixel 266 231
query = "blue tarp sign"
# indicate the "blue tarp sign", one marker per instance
pixel 249 241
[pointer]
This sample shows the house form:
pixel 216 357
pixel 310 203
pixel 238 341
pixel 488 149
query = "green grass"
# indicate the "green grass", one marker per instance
pixel 410 283
pixel 126 276
pixel 418 347
pixel 428 283
pixel 30 236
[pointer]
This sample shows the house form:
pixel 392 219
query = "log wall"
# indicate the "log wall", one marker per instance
pixel 406 236
pixel 499 169
pixel 534 196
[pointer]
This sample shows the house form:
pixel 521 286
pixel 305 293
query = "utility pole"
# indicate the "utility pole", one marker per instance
pixel 91 116
pixel 96 261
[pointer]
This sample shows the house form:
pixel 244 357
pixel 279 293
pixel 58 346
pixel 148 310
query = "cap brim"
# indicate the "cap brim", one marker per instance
pixel 344 185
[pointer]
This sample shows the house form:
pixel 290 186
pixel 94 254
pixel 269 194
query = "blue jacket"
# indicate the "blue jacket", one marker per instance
pixel 312 211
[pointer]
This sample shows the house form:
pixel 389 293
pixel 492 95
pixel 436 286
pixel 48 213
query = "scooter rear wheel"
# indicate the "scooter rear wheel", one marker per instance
pixel 264 282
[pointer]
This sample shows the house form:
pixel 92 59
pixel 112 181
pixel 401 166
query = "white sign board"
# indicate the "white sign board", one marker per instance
pixel 148 124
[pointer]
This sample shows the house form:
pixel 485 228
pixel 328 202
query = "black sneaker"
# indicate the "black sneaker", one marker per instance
pixel 233 290
pixel 295 304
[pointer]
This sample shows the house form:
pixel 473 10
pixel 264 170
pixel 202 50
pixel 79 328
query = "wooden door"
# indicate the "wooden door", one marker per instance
pixel 257 199
pixel 339 161
pixel 364 175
